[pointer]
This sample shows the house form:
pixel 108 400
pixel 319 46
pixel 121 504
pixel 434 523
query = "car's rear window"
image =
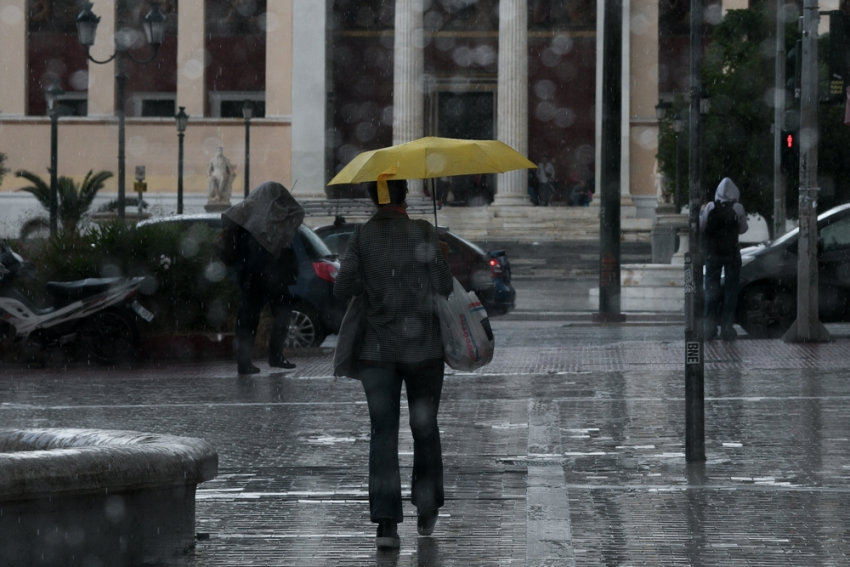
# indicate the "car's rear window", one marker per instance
pixel 314 245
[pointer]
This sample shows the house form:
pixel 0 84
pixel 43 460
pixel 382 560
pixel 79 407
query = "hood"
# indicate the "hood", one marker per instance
pixel 727 191
pixel 270 213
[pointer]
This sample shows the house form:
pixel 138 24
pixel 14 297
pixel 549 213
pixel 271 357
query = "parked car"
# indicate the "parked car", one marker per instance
pixel 316 312
pixel 488 274
pixel 767 302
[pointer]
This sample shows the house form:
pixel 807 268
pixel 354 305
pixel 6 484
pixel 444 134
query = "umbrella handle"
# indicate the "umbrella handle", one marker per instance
pixel 434 199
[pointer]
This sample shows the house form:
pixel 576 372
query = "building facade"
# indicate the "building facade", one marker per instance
pixel 330 79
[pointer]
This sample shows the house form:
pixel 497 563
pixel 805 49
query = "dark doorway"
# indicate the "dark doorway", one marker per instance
pixel 468 116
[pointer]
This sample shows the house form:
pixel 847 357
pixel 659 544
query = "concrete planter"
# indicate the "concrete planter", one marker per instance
pixel 95 497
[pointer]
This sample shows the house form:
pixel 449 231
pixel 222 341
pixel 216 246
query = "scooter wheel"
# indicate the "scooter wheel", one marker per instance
pixel 110 336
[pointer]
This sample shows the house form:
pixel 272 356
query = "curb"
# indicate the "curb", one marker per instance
pixel 655 318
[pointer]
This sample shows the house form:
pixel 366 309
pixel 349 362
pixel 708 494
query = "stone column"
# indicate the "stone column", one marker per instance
pixel 13 58
pixel 408 95
pixel 302 95
pixel 101 96
pixel 512 101
pixel 642 144
pixel 190 58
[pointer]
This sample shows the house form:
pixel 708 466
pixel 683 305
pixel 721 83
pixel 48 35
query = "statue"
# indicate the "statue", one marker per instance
pixel 221 174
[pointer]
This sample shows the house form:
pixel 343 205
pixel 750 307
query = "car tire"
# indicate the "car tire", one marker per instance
pixel 305 328
pixel 766 312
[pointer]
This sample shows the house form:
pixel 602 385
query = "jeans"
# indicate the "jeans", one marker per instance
pixel 720 303
pixel 424 383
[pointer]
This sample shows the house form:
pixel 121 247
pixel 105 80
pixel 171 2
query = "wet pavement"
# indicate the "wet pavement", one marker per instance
pixel 567 450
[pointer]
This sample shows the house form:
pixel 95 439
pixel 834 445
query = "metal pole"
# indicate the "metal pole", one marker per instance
pixel 247 156
pixel 807 327
pixel 54 164
pixel 180 173
pixel 121 82
pixel 609 215
pixel 779 123
pixel 694 338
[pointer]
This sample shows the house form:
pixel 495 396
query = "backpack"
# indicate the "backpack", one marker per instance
pixel 721 229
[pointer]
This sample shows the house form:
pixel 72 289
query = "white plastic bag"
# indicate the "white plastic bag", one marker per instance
pixel 468 341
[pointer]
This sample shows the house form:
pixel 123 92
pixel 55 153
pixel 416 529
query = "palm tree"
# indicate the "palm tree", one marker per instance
pixel 74 200
pixel 3 169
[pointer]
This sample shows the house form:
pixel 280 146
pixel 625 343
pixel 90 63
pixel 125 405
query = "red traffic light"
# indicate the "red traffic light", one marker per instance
pixel 789 141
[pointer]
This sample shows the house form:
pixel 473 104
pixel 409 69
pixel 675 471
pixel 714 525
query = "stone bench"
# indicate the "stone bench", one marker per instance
pixel 99 497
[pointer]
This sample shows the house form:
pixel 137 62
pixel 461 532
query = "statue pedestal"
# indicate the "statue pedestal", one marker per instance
pixel 663 236
pixel 216 207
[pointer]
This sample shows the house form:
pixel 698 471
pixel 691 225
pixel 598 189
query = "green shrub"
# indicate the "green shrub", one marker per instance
pixel 185 285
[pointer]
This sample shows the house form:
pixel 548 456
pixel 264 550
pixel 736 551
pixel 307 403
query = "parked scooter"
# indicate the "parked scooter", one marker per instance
pixel 98 314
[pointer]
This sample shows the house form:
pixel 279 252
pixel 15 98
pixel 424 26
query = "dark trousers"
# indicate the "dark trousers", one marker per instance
pixel 720 302
pixel 252 299
pixel 424 384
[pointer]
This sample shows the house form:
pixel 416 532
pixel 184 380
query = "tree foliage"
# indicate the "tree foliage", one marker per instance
pixel 738 71
pixel 74 200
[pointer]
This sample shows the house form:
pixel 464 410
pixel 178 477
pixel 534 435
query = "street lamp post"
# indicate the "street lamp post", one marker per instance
pixel 154 25
pixel 51 95
pixel 248 113
pixel 181 118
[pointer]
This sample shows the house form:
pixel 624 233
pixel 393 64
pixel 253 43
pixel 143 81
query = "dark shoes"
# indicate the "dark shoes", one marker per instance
pixel 244 369
pixel 387 537
pixel 281 363
pixel 426 521
pixel 728 334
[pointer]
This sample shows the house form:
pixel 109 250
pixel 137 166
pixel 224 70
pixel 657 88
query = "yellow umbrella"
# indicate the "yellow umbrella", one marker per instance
pixel 431 157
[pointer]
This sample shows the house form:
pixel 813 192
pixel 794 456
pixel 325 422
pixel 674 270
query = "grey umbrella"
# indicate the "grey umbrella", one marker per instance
pixel 271 214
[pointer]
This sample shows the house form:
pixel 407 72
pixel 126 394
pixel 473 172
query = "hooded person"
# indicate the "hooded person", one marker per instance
pixel 266 266
pixel 721 222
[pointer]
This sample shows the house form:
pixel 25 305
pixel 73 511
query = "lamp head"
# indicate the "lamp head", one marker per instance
pixel 248 110
pixel 661 109
pixel 87 25
pixel 154 24
pixel 52 94
pixel 181 118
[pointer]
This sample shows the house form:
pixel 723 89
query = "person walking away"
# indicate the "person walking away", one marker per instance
pixel 398 264
pixel 266 266
pixel 545 180
pixel 721 222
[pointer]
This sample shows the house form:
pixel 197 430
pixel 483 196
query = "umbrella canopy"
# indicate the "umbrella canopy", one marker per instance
pixel 270 213
pixel 430 157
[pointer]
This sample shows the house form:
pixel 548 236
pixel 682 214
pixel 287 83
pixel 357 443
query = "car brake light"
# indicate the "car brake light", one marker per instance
pixel 495 268
pixel 326 271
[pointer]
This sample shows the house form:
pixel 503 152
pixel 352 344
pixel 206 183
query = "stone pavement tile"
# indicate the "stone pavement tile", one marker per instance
pixel 604 421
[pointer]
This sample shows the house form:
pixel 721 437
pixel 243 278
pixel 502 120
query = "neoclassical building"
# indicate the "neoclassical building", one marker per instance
pixel 329 79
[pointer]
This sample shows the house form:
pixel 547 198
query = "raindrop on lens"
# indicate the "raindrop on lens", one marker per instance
pixel 215 271
pixel 110 271
pixel 188 247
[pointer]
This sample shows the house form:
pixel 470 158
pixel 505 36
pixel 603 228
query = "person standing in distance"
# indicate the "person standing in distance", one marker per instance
pixel 721 222
pixel 398 264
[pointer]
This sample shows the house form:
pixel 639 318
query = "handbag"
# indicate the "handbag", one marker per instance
pixel 350 338
pixel 468 342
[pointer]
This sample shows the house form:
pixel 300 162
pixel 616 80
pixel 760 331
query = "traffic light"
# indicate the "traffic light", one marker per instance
pixel 790 151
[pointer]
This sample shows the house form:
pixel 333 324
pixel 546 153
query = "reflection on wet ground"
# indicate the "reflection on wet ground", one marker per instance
pixel 567 450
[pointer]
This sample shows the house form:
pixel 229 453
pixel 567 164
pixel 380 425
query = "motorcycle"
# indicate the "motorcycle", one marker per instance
pixel 98 314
